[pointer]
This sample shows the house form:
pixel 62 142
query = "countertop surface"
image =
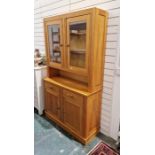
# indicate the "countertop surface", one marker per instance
pixel 39 67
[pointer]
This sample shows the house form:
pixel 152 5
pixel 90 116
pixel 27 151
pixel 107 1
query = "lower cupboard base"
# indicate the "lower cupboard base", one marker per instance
pixel 73 133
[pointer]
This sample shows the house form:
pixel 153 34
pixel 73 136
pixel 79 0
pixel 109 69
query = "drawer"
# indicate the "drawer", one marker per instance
pixel 70 96
pixel 52 88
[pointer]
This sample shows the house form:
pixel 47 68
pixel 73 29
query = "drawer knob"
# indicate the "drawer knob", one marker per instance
pixel 70 95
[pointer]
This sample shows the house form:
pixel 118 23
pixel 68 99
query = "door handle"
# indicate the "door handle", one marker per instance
pixel 70 95
pixel 51 88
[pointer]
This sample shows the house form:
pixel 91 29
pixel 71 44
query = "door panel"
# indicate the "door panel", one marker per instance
pixel 78 43
pixel 73 114
pixel 55 43
pixel 52 105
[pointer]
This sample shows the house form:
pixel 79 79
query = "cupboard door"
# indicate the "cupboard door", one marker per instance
pixel 73 113
pixel 78 32
pixel 52 105
pixel 55 43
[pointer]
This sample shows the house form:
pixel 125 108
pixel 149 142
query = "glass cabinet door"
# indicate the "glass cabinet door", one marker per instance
pixel 77 42
pixel 55 43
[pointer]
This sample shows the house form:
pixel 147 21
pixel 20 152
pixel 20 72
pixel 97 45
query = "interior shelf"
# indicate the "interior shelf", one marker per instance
pixel 78 51
pixel 56 42
pixel 55 32
pixel 78 33
pixel 56 51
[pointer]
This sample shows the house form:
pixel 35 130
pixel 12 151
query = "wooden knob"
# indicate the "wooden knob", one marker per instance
pixel 70 95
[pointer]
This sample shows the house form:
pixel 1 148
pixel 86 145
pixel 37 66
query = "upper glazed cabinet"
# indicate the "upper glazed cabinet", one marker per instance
pixel 68 43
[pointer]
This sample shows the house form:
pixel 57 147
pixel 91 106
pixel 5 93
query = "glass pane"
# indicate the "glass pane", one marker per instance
pixel 77 44
pixel 54 41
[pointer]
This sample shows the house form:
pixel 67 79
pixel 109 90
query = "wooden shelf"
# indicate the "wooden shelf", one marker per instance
pixel 56 61
pixel 78 51
pixel 74 33
pixel 56 51
pixel 70 84
pixel 55 32
pixel 56 42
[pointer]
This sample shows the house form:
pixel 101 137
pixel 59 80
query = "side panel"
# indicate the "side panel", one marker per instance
pixel 98 54
pixel 93 110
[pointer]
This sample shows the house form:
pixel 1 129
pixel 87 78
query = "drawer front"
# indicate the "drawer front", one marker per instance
pixel 70 96
pixel 52 88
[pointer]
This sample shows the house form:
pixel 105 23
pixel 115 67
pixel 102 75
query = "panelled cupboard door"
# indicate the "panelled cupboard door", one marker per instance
pixel 77 44
pixel 52 105
pixel 73 114
pixel 54 40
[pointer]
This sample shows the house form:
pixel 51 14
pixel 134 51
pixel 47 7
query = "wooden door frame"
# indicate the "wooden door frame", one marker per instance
pixel 48 23
pixel 58 102
pixel 75 19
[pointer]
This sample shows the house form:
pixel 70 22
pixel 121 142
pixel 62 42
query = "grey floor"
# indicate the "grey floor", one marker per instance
pixel 49 139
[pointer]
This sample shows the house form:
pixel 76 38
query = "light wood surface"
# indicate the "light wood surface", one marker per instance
pixel 81 79
pixel 52 103
pixel 52 88
pixel 72 92
pixel 69 84
pixel 73 110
